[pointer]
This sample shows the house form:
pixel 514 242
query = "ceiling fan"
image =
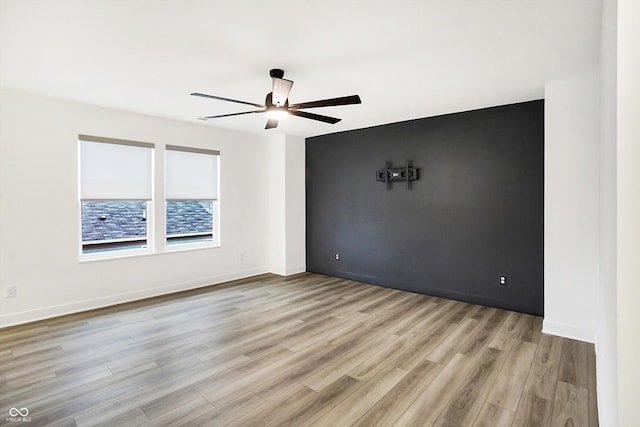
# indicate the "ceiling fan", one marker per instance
pixel 276 104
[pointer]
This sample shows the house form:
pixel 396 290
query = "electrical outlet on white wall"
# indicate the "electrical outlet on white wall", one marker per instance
pixel 10 291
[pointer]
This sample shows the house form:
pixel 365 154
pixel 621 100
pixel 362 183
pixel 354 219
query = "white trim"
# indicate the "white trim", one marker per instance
pixel 109 241
pixel 194 234
pixel 295 270
pixel 567 331
pixel 92 304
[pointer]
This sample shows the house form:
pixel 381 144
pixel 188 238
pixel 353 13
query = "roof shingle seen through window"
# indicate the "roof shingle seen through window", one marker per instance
pixel 126 219
pixel 188 216
pixel 113 220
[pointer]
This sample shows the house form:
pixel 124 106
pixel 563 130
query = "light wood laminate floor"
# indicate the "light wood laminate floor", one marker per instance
pixel 302 350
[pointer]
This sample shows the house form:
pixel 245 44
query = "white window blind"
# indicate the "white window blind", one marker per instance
pixel 191 174
pixel 112 169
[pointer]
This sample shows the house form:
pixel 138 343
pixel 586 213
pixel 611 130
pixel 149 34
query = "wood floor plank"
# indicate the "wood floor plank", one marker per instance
pixel 460 312
pixel 424 347
pixel 315 406
pixel 6 356
pixel 359 402
pixel 117 400
pixel 388 355
pixel 25 362
pixel 530 328
pixel 133 417
pixel 282 405
pixel 507 389
pixel 489 325
pixel 413 316
pixel 182 415
pixel 53 402
pixel 533 411
pixel 329 373
pixel 453 341
pixel 297 372
pixel 171 400
pixel 574 363
pixel 426 408
pixel 468 399
pixel 299 350
pixel 507 332
pixel 19 381
pixel 543 376
pixel 302 340
pixel 493 416
pixel 231 384
pixel 230 411
pixel 390 407
pixel 570 407
pixel 61 385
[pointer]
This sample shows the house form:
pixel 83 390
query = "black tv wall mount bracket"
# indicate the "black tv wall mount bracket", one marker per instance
pixel 390 175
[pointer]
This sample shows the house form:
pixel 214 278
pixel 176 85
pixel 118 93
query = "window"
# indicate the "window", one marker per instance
pixel 115 194
pixel 191 178
pixel 113 225
pixel 189 221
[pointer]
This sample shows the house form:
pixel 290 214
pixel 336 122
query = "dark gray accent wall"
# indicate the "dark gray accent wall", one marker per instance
pixel 475 213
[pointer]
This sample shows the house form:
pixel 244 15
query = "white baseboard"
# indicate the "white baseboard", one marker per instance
pixel 288 271
pixel 91 304
pixel 295 270
pixel 567 331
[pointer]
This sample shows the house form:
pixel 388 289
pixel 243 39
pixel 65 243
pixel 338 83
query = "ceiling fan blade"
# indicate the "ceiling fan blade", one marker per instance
pixel 312 116
pixel 227 99
pixel 343 100
pixel 281 89
pixel 233 114
pixel 271 123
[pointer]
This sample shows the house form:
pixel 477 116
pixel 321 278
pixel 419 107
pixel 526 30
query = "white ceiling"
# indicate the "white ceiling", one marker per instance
pixel 406 59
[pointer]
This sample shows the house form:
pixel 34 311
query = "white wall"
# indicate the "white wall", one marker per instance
pixel 606 334
pixel 295 187
pixel 287 244
pixel 628 211
pixel 571 208
pixel 276 206
pixel 39 221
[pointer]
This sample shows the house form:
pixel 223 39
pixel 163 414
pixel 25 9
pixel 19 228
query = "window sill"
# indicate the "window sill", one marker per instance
pixel 120 256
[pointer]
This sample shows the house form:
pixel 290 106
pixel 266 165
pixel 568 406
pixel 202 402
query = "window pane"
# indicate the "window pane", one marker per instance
pixel 189 221
pixel 113 225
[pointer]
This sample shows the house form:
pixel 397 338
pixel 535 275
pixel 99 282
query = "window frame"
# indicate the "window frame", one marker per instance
pixel 215 202
pixel 150 223
pixel 156 238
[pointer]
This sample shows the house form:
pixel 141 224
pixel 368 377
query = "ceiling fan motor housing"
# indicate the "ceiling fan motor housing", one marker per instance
pixel 276 73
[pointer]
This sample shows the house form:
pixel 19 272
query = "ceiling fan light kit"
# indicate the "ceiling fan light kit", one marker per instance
pixel 276 113
pixel 276 105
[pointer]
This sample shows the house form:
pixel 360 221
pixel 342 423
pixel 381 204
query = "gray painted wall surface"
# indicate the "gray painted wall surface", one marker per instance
pixel 476 211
